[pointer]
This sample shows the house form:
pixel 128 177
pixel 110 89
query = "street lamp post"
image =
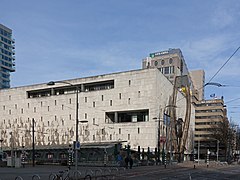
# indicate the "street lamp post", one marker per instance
pixel 198 150
pixel 33 143
pixel 158 139
pixel 217 149
pixel 77 121
pixel 11 144
pixel 1 140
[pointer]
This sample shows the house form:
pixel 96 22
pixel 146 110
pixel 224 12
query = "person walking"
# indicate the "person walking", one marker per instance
pixel 126 162
pixel 131 162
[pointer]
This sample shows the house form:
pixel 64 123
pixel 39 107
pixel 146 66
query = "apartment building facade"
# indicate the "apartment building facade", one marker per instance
pixel 7 56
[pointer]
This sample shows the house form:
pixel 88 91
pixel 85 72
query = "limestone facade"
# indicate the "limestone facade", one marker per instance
pixel 124 107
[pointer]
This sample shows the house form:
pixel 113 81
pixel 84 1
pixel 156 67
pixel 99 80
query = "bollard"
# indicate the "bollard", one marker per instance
pixel 165 160
pixel 194 157
pixel 70 156
pixel 207 158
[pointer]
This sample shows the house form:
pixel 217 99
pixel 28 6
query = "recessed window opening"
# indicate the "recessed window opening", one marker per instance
pixel 128 116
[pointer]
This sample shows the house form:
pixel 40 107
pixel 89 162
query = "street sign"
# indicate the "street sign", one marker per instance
pixel 77 145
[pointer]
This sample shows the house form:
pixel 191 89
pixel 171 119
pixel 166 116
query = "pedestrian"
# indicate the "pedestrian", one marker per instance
pixel 131 162
pixel 126 162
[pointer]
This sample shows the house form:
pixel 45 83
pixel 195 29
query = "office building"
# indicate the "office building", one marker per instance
pixel 210 114
pixel 171 63
pixel 7 58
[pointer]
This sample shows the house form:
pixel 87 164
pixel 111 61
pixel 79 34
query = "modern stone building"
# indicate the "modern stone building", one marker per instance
pixel 7 58
pixel 125 107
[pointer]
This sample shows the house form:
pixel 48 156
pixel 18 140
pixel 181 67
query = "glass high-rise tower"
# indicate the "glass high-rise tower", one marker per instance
pixel 7 56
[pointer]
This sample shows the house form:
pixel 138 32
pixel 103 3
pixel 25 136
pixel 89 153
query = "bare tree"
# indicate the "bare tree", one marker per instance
pixel 224 132
pixel 237 143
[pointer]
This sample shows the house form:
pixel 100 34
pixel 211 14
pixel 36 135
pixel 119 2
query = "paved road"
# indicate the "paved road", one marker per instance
pixel 174 172
pixel 180 172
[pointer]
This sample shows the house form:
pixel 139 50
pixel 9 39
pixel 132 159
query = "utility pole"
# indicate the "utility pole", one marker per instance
pixel 77 122
pixel 33 144
pixel 198 151
pixel 11 141
pixel 158 138
pixel 158 148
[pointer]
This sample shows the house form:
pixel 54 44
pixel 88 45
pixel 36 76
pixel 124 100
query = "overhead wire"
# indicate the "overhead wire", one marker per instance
pixel 209 82
pixel 223 65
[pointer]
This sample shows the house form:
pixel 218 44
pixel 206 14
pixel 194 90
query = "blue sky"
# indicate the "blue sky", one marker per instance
pixel 65 39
